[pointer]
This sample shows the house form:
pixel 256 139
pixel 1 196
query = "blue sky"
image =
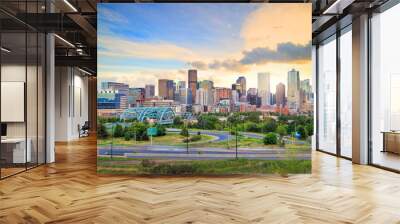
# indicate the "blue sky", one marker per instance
pixel 191 25
pixel 140 43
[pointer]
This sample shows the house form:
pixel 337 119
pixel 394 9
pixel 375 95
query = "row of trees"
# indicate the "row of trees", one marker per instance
pixel 251 122
pixel 134 130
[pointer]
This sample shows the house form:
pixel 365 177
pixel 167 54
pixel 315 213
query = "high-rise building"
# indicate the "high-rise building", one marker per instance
pixel 252 91
pixel 122 88
pixel 166 89
pixel 306 87
pixel 280 95
pixel 202 97
pixel 181 85
pixel 293 93
pixel 264 87
pixel 235 96
pixel 237 87
pixel 242 82
pixel 222 94
pixel 208 86
pixel 136 96
pixel 192 82
pixel 150 91
pixel 253 99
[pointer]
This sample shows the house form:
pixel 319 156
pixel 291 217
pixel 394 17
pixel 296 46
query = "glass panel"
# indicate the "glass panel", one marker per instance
pixel 41 99
pixel 327 96
pixel 346 94
pixel 385 89
pixel 13 86
pixel 31 98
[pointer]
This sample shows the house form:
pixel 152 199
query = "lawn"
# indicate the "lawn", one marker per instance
pixel 171 139
pixel 209 167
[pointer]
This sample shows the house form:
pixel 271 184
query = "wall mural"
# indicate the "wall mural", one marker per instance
pixel 204 89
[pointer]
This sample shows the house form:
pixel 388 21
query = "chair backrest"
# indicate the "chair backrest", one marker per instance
pixel 86 125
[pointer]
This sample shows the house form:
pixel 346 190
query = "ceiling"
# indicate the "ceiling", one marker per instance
pixel 75 22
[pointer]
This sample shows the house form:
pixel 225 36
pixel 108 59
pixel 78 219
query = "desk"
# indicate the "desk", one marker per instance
pixel 391 141
pixel 16 147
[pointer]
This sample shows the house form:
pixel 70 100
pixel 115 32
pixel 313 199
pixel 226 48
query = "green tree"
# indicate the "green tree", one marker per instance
pixel 102 131
pixel 161 130
pixel 269 125
pixel 254 117
pixel 178 121
pixel 251 126
pixel 302 131
pixel 184 132
pixel 128 135
pixel 139 130
pixel 309 128
pixel 281 130
pixel 270 139
pixel 118 131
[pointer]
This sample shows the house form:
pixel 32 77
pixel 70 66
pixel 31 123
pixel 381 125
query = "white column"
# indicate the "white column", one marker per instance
pixel 360 90
pixel 50 100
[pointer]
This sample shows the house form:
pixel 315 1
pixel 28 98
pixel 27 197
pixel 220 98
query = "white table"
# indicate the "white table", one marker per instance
pixel 19 153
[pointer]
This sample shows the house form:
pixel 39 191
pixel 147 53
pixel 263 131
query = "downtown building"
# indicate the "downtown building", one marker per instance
pixel 264 88
pixel 149 91
pixel 280 95
pixel 241 85
pixel 192 83
pixel 293 92
pixel 166 89
pixel 122 88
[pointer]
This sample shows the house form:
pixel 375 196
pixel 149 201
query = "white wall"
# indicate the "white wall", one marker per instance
pixel 71 103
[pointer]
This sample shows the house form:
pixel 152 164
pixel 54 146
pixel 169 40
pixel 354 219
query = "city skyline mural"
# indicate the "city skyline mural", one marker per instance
pixel 187 88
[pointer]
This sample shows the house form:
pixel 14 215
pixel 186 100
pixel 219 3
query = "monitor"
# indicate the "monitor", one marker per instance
pixel 3 129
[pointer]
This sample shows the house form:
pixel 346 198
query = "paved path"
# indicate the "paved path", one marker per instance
pixel 199 153
pixel 171 152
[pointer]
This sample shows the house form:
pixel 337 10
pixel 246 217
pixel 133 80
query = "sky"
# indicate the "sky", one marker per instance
pixel 141 43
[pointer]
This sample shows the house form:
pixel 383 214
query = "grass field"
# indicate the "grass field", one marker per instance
pixel 171 139
pixel 211 167
pixel 174 139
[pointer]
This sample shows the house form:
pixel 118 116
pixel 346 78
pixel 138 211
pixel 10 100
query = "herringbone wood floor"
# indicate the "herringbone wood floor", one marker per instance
pixel 70 191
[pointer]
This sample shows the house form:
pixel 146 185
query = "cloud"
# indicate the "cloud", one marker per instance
pixel 198 65
pixel 272 24
pixel 228 64
pixel 119 47
pixel 285 52
pixel 111 16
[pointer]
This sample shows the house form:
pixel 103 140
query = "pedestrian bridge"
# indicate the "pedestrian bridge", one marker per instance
pixel 162 115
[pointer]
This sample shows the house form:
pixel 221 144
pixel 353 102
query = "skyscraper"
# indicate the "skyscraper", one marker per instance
pixel 150 91
pixel 263 87
pixel 280 95
pixel 293 93
pixel 192 82
pixel 166 89
pixel 181 85
pixel 202 97
pixel 306 87
pixel 136 96
pixel 222 94
pixel 208 86
pixel 242 82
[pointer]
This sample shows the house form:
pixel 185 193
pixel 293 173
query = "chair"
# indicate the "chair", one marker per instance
pixel 84 130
